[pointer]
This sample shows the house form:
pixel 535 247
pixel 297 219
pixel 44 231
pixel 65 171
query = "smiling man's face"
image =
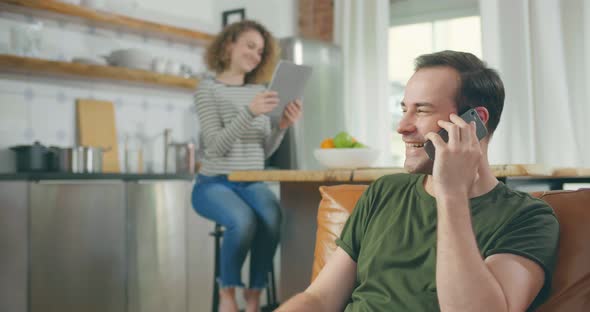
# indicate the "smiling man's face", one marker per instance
pixel 429 97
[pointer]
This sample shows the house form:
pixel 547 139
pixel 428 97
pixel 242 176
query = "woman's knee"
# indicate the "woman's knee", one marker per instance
pixel 243 226
pixel 221 204
pixel 274 218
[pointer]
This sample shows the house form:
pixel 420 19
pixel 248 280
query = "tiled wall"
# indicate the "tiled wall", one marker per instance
pixel 43 108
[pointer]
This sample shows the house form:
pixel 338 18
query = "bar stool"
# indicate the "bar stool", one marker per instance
pixel 271 294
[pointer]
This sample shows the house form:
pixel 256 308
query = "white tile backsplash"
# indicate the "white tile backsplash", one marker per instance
pixel 43 107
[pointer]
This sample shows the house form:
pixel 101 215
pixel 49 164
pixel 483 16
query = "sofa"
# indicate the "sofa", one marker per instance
pixel 570 289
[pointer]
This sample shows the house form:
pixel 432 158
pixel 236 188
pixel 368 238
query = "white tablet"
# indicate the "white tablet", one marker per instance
pixel 288 80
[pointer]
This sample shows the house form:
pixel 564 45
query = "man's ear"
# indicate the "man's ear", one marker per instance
pixel 483 114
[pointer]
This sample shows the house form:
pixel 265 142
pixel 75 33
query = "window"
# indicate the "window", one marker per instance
pixel 406 42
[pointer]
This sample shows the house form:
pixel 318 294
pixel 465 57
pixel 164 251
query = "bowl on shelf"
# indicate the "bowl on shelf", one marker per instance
pixel 131 58
pixel 346 158
pixel 89 60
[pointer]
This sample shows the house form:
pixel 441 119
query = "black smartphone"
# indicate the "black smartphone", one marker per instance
pixel 468 116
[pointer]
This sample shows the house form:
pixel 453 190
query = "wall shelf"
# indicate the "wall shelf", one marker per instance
pixel 18 64
pixel 104 19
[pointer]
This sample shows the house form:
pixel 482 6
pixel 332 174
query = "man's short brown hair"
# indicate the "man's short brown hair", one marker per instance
pixel 480 85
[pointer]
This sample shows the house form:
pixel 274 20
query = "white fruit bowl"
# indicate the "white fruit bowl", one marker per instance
pixel 346 158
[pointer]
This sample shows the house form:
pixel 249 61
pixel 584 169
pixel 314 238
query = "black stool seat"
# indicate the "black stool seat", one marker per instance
pixel 271 294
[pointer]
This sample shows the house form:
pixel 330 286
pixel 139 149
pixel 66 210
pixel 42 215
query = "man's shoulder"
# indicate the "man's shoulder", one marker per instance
pixel 514 208
pixel 523 202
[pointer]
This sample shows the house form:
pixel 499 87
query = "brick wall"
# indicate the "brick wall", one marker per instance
pixel 316 19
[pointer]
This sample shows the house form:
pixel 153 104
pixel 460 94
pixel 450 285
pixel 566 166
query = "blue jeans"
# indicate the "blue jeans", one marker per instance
pixel 251 216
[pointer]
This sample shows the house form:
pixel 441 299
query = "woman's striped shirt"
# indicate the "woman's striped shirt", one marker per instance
pixel 232 138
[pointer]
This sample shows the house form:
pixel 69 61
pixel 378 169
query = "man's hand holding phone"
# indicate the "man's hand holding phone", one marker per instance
pixel 456 161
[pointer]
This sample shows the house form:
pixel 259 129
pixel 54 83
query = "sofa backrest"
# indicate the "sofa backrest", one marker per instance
pixel 570 289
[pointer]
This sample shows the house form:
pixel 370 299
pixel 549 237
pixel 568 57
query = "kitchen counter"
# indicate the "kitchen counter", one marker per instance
pixel 338 175
pixel 22 176
pixel 369 174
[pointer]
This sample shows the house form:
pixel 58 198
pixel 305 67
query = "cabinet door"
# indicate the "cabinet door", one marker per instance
pixel 77 247
pixel 13 246
pixel 157 245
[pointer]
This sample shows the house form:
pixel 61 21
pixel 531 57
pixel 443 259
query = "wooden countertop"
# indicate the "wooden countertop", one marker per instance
pixel 339 175
pixel 371 174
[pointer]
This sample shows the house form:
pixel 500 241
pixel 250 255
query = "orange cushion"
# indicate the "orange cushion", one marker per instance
pixel 337 203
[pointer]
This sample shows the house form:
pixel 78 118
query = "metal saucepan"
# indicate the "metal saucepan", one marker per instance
pixel 79 159
pixel 30 158
pixel 60 159
pixel 89 158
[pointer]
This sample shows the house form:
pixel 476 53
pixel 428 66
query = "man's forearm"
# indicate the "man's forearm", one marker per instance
pixel 463 280
pixel 302 302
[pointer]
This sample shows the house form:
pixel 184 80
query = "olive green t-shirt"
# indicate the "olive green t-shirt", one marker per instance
pixel 391 235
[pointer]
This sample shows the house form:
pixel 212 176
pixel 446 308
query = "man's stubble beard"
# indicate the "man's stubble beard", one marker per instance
pixel 423 167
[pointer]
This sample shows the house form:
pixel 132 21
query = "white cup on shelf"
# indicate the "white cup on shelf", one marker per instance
pixel 159 65
pixel 173 67
pixel 26 40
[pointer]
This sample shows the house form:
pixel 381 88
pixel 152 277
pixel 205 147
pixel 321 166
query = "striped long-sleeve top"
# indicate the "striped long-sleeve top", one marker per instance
pixel 232 138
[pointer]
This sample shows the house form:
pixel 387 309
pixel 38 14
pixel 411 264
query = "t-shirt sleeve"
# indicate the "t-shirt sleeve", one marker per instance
pixel 533 234
pixel 354 228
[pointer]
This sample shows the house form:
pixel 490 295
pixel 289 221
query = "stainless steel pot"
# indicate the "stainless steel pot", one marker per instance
pixel 87 159
pixel 31 158
pixel 60 159
pixel 184 158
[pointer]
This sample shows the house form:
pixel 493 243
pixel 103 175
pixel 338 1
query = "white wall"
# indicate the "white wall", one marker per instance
pixel 279 16
pixel 194 14
pixel 416 11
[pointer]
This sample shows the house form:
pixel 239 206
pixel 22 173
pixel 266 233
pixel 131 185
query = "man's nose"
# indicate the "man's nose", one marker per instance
pixel 406 124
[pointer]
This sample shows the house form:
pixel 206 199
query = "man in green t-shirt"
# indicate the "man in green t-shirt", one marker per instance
pixel 447 236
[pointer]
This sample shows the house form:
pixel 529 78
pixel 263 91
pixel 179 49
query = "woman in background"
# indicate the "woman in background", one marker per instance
pixel 237 135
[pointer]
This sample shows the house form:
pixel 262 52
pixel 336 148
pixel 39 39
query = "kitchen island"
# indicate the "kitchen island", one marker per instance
pixel 300 198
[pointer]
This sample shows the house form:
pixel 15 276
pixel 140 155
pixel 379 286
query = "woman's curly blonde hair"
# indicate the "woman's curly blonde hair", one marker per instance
pixel 217 56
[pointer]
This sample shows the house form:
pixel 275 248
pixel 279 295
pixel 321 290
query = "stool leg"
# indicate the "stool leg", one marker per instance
pixel 269 301
pixel 271 294
pixel 274 287
pixel 217 232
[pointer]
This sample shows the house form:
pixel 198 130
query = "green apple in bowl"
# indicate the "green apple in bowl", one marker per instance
pixel 343 140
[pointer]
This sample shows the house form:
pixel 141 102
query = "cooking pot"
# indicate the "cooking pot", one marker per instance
pixel 30 157
pixel 88 159
pixel 61 159
pixel 184 158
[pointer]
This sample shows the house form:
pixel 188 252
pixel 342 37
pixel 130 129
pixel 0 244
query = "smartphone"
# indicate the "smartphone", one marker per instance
pixel 471 115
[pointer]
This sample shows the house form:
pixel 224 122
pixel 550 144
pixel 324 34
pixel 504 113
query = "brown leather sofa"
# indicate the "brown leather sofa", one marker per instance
pixel 570 290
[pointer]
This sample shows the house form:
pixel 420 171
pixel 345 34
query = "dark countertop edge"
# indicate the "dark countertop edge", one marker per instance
pixel 94 176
